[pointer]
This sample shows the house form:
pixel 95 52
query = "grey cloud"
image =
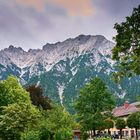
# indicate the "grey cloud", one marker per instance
pixel 28 28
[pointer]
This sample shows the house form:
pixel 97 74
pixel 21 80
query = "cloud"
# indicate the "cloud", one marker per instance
pixel 36 4
pixel 72 7
pixel 76 7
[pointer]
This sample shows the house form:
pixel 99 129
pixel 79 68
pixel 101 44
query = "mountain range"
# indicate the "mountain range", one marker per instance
pixel 63 68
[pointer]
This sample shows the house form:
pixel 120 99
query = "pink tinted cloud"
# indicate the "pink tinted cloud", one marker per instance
pixel 73 7
pixel 76 7
pixel 39 5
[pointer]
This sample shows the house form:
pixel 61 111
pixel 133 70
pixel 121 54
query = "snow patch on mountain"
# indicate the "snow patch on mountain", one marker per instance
pixel 74 70
pixel 60 91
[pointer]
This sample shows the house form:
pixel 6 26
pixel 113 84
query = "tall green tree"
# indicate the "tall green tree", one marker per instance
pixel 133 121
pixel 109 123
pixel 127 49
pixel 120 124
pixel 94 99
pixel 16 110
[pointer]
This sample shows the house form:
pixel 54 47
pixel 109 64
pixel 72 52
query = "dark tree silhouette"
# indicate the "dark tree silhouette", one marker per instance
pixel 38 98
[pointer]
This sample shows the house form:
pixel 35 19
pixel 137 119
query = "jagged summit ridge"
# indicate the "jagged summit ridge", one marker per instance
pixel 52 53
pixel 81 39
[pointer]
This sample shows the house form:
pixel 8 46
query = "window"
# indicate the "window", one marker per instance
pixel 122 133
pixel 132 133
pixel 126 133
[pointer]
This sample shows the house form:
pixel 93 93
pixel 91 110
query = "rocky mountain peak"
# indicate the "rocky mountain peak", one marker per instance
pixel 49 47
pixel 11 48
pixel 72 42
pixel 52 53
pixel 82 38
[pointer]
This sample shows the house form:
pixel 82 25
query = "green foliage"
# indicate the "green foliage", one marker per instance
pixel 20 119
pixel 17 113
pixel 55 124
pixel 63 135
pixel 109 123
pixel 58 118
pixel 120 124
pixel 41 132
pixel 84 136
pixel 127 49
pixel 30 135
pixel 16 118
pixel 44 130
pixel 103 138
pixel 12 92
pixel 94 99
pixel 133 121
pixel 38 98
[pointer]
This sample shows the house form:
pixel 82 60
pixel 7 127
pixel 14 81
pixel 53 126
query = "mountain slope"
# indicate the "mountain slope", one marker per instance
pixel 65 67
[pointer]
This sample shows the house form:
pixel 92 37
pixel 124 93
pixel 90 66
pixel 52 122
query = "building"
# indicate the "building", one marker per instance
pixel 123 112
pixel 76 134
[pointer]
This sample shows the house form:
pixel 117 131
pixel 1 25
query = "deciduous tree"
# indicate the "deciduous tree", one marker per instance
pixel 56 121
pixel 133 121
pixel 16 118
pixel 127 49
pixel 120 124
pixel 109 123
pixel 38 98
pixel 94 99
pixel 16 110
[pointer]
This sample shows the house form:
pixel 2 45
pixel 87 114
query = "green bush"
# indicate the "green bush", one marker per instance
pixel 44 136
pixel 36 135
pixel 109 138
pixel 30 135
pixel 84 136
pixel 63 135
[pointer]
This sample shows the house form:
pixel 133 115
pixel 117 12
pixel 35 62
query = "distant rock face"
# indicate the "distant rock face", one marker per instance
pixel 65 67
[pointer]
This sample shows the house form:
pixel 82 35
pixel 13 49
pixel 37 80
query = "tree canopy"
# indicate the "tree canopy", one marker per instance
pixel 120 124
pixel 38 98
pixel 16 118
pixel 133 121
pixel 16 110
pixel 127 49
pixel 93 101
pixel 58 118
pixel 109 123
pixel 20 117
pixel 12 92
pixel 55 124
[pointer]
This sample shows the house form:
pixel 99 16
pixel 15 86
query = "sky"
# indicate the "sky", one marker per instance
pixel 33 23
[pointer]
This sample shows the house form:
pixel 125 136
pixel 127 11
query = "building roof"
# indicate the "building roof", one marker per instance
pixel 126 109
pixel 77 131
pixel 136 103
